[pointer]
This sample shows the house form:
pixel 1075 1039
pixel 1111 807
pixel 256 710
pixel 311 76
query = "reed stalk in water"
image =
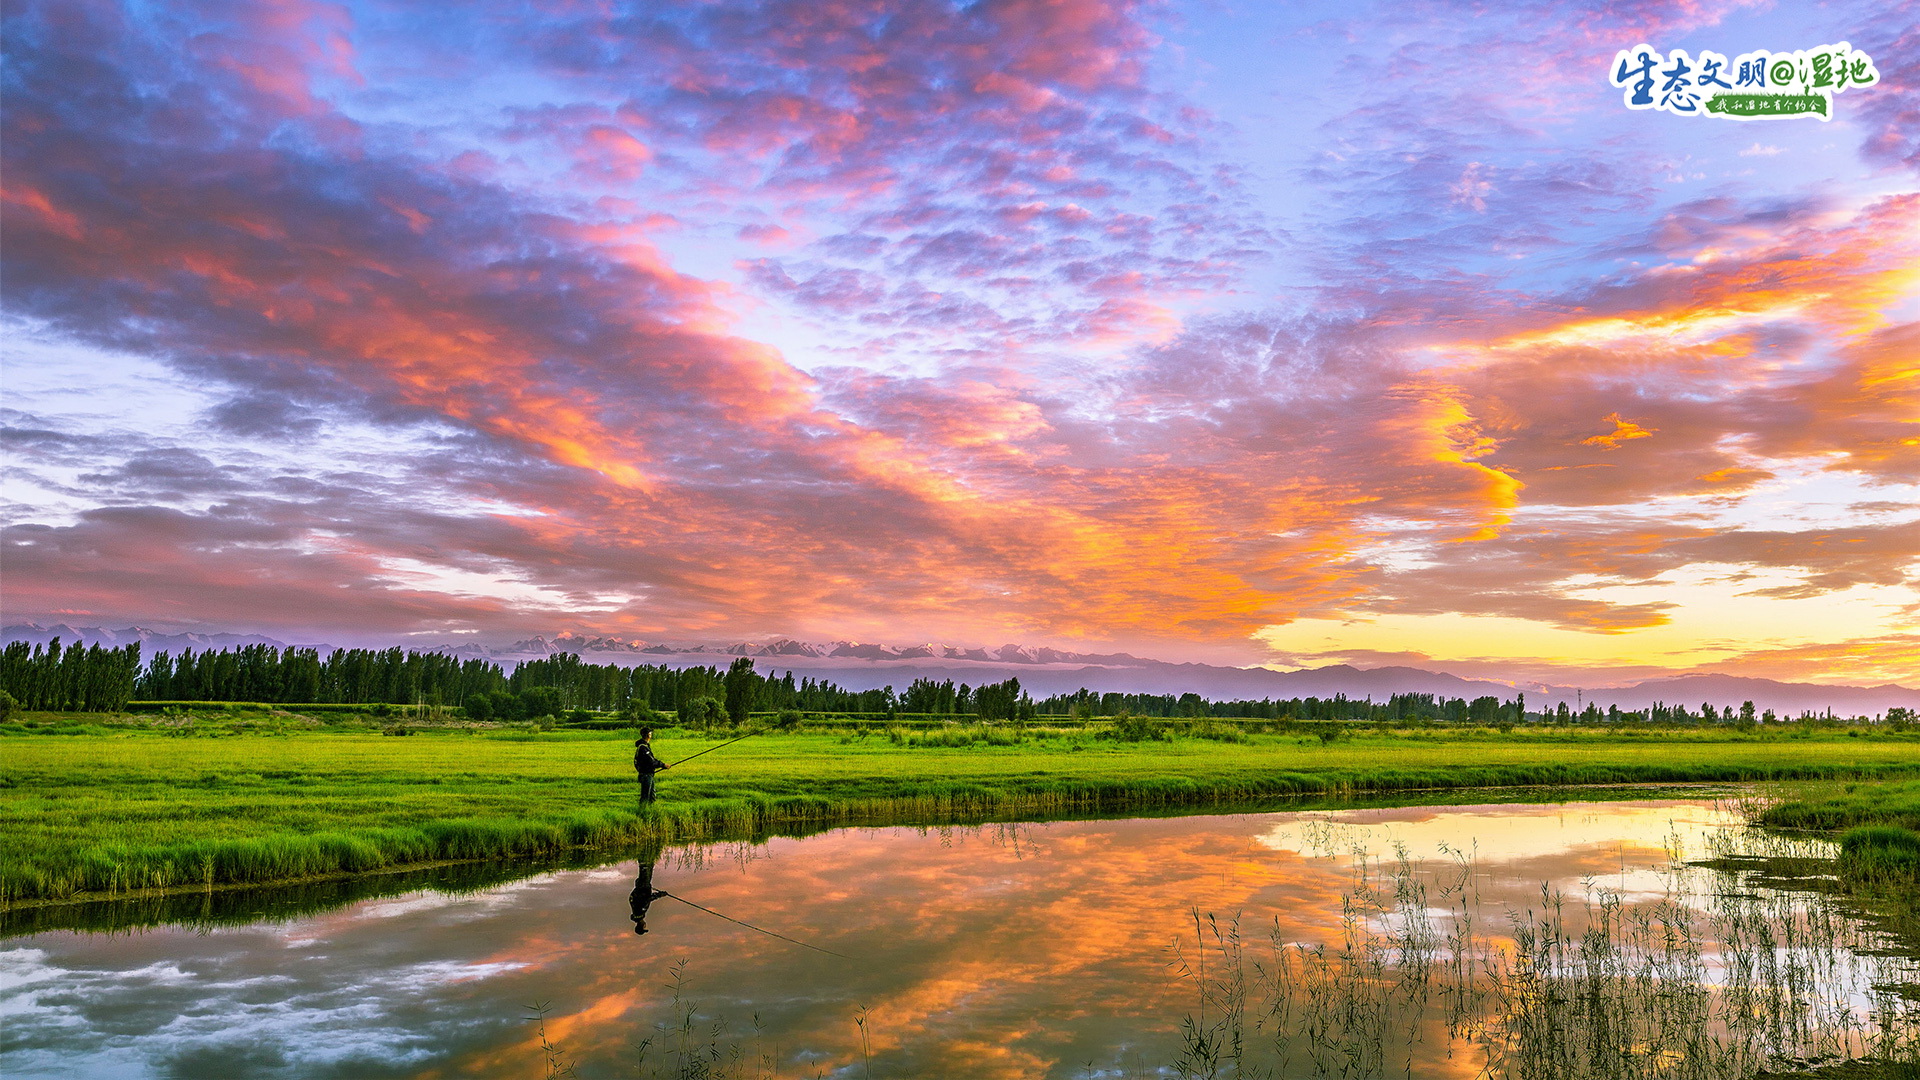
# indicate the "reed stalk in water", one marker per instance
pixel 1715 980
pixel 1590 989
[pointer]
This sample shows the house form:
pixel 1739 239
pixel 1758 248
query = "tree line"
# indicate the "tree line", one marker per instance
pixel 990 701
pixel 81 678
pixel 551 684
pixel 1399 708
pixel 295 676
pixel 78 678
pixel 95 678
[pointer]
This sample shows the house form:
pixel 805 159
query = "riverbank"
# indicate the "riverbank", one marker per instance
pixel 95 815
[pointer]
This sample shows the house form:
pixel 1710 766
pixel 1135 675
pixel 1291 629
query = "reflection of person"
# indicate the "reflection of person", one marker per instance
pixel 644 894
pixel 645 763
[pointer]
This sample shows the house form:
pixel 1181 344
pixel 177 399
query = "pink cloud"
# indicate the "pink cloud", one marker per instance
pixel 1002 198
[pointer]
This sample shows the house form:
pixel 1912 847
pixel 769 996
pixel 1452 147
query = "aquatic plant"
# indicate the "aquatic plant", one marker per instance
pixel 1593 989
pixel 1716 980
pixel 1878 827
pixel 699 1046
pixel 556 1066
pixel 1829 807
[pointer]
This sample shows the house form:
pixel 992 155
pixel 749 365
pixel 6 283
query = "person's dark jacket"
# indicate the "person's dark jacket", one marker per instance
pixel 645 761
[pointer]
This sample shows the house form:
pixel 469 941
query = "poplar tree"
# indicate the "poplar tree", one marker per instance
pixel 742 689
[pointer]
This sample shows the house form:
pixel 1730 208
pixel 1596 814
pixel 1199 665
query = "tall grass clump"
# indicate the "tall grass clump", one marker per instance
pixel 959 735
pixel 1132 729
pixel 1215 731
pixel 1881 854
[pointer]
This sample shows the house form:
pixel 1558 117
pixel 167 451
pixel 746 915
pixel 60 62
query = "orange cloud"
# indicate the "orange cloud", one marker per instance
pixel 1622 431
pixel 1204 479
pixel 1859 661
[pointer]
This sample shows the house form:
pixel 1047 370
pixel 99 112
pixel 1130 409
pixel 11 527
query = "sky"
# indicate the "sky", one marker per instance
pixel 1359 332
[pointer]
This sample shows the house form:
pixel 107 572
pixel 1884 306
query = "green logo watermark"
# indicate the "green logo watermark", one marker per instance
pixel 1759 85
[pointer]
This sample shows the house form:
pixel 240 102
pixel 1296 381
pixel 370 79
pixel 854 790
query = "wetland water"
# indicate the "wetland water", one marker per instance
pixel 1066 949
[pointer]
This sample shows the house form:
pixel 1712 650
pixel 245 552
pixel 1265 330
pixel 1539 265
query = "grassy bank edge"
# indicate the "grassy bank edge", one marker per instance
pixel 1878 830
pixel 122 869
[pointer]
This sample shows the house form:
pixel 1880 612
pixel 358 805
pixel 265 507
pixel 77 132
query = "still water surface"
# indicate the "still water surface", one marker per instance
pixel 993 951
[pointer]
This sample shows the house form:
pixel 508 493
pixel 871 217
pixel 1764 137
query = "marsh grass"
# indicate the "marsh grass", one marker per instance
pixel 1878 825
pixel 96 815
pixel 695 1045
pixel 1881 854
pixel 1841 804
pixel 1590 989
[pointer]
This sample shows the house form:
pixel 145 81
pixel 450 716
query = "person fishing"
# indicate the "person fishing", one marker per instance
pixel 644 894
pixel 646 763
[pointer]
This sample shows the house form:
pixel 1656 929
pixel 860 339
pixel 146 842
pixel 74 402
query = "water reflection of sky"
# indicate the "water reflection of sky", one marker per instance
pixel 1002 951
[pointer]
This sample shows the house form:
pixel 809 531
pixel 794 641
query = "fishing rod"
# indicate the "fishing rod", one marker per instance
pixel 750 926
pixel 710 750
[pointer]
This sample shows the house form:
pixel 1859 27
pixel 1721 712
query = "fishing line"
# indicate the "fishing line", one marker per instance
pixel 750 926
pixel 729 918
pixel 710 750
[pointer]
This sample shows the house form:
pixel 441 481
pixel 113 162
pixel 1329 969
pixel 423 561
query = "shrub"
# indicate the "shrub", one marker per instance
pixel 640 714
pixel 1217 732
pixel 702 713
pixel 1130 728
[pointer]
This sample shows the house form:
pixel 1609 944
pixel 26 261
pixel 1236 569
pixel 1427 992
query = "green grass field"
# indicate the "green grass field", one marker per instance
pixel 107 811
pixel 1832 807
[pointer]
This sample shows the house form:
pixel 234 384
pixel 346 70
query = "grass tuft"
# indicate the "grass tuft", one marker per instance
pixel 1884 854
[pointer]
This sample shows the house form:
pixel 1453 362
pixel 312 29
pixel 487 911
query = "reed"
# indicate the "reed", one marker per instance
pixel 1588 989
pixel 1714 981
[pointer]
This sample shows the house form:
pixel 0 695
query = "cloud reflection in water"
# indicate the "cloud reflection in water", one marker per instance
pixel 1000 951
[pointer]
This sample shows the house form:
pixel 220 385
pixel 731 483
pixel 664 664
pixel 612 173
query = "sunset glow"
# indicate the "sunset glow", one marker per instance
pixel 1254 334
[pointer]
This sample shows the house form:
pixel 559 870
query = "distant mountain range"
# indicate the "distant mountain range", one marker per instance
pixel 151 641
pixel 1042 671
pixel 787 648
